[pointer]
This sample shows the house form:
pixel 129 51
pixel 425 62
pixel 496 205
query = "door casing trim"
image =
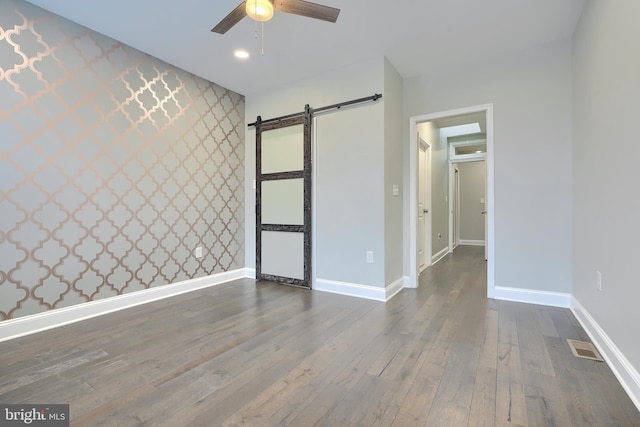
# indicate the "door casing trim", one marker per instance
pixel 413 190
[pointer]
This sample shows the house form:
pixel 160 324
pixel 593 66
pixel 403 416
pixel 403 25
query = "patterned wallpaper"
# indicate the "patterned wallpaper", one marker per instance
pixel 114 166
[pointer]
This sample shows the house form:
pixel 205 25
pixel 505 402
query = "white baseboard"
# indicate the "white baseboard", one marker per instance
pixel 14 328
pixel 624 371
pixel 361 291
pixel 393 288
pixel 438 256
pixel 351 289
pixel 532 296
pixel 471 242
pixel 407 282
pixel 250 273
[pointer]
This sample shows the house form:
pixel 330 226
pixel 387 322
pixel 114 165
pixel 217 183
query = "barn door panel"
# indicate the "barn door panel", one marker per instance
pixel 283 200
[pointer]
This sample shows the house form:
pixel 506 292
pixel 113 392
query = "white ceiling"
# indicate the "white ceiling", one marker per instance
pixel 415 35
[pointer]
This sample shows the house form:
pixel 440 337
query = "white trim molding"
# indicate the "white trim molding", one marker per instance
pixel 441 254
pixel 250 273
pixel 361 291
pixel 413 191
pixel 533 296
pixel 407 282
pixel 464 242
pixel 393 288
pixel 624 371
pixel 14 328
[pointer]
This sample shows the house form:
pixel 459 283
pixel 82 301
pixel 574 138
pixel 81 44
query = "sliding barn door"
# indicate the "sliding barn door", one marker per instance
pixel 283 200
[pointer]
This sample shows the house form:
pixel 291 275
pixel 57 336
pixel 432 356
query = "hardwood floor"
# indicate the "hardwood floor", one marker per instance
pixel 261 354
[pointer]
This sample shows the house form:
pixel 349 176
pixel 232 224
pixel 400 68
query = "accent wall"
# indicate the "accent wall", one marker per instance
pixel 114 167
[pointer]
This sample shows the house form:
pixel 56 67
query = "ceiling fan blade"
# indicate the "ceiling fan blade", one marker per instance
pixel 308 9
pixel 231 19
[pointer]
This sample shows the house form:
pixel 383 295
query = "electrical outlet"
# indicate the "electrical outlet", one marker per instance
pixel 599 280
pixel 369 257
pixel 199 252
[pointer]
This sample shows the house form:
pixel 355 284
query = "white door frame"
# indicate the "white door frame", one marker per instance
pixel 455 159
pixel 454 193
pixel 413 191
pixel 454 206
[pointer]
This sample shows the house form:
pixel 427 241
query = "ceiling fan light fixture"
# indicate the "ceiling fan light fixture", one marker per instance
pixel 259 10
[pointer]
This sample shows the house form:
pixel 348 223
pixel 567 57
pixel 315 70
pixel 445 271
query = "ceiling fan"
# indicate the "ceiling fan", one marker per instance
pixel 262 10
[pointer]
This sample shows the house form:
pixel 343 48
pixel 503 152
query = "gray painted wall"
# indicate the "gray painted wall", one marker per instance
pixel 392 173
pixel 531 94
pixel 440 193
pixel 606 205
pixel 472 176
pixel 349 165
pixel 114 166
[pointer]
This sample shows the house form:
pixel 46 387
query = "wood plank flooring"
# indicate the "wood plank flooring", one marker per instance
pixel 261 354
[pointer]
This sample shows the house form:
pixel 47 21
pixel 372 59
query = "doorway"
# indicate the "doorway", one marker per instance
pixel 467 207
pixel 414 121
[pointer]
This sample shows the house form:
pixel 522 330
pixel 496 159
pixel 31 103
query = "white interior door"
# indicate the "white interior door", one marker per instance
pixel 424 205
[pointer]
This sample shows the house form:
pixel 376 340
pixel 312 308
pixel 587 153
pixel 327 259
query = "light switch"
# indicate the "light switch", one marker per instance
pixel 481 199
pixel 396 190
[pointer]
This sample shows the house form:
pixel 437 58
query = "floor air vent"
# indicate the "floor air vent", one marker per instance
pixel 585 350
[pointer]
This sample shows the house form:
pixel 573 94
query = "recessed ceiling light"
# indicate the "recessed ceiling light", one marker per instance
pixel 241 54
